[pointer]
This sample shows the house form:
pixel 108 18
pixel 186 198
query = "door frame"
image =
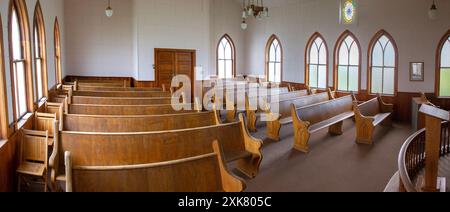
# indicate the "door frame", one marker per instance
pixel 194 64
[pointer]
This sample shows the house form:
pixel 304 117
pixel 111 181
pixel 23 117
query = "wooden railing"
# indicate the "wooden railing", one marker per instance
pixel 412 156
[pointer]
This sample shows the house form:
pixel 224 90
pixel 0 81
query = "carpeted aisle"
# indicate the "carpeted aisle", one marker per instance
pixel 334 164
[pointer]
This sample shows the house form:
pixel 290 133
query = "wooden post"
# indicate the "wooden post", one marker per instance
pixel 433 121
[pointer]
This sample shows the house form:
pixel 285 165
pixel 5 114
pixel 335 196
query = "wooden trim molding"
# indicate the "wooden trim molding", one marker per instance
pixel 372 43
pixel 337 47
pixel 267 52
pixel 307 51
pixel 233 52
pixel 39 23
pixel 438 63
pixel 3 96
pixel 57 37
pixel 22 15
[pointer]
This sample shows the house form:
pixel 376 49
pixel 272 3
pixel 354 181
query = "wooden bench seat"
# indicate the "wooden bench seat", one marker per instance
pixel 253 112
pixel 112 149
pixel 96 123
pixel 122 93
pixel 107 88
pixel 201 173
pixel 121 100
pixel 313 118
pixel 284 116
pixel 125 110
pixel 370 114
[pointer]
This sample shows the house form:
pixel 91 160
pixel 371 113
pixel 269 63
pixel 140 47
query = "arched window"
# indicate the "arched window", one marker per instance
pixel 40 53
pixel 19 41
pixel 226 57
pixel 443 67
pixel 383 63
pixel 317 62
pixel 57 53
pixel 274 60
pixel 347 63
pixel 3 97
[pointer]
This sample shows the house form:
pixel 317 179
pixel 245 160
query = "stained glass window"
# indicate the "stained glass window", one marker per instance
pixel 225 58
pixel 274 60
pixel 348 65
pixel 383 67
pixel 348 11
pixel 317 63
pixel 444 85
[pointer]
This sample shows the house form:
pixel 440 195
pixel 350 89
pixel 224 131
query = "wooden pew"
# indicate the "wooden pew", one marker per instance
pixel 310 119
pixel 90 123
pixel 370 114
pixel 128 110
pixel 202 173
pixel 121 100
pixel 115 149
pixel 253 113
pixel 122 93
pixel 239 99
pixel 99 88
pixel 47 122
pixel 284 116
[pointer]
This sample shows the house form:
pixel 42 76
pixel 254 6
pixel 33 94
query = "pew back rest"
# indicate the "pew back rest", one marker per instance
pixel 122 93
pixel 95 123
pixel 107 149
pixel 253 101
pixel 126 109
pixel 323 111
pixel 57 109
pixel 370 108
pixel 202 173
pixel 285 105
pixel 121 100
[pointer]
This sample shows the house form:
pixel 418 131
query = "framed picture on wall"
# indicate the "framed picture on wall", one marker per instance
pixel 416 71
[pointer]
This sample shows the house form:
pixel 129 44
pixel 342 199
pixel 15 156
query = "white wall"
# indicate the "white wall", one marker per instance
pixel 98 45
pixel 50 9
pixel 124 44
pixel 295 21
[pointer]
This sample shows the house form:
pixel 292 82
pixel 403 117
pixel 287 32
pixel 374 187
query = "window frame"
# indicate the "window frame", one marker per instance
pixel 3 95
pixel 57 45
pixel 22 15
pixel 337 47
pixel 372 43
pixel 267 57
pixel 39 26
pixel 442 42
pixel 307 64
pixel 233 56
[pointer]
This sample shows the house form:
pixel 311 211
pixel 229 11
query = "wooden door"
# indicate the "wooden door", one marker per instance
pixel 172 62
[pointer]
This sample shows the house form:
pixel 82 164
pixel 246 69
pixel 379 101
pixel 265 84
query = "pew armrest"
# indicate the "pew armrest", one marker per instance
pixel 362 120
pixel 252 144
pixel 384 107
pixel 53 161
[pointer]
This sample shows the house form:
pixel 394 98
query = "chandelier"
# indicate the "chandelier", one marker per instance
pixel 109 11
pixel 253 8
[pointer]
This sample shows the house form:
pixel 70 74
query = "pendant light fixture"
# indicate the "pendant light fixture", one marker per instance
pixel 109 11
pixel 433 12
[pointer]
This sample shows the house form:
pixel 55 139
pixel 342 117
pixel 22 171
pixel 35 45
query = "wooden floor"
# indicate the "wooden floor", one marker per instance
pixel 334 164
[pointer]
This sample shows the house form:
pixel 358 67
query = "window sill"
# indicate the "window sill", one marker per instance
pixel 23 120
pixel 443 97
pixel 3 143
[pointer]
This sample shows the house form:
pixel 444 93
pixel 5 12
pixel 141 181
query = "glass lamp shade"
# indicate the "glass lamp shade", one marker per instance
pixel 109 12
pixel 244 14
pixel 244 25
pixel 433 13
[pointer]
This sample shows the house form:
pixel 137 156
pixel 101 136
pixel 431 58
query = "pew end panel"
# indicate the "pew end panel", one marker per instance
pixel 301 132
pixel 250 166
